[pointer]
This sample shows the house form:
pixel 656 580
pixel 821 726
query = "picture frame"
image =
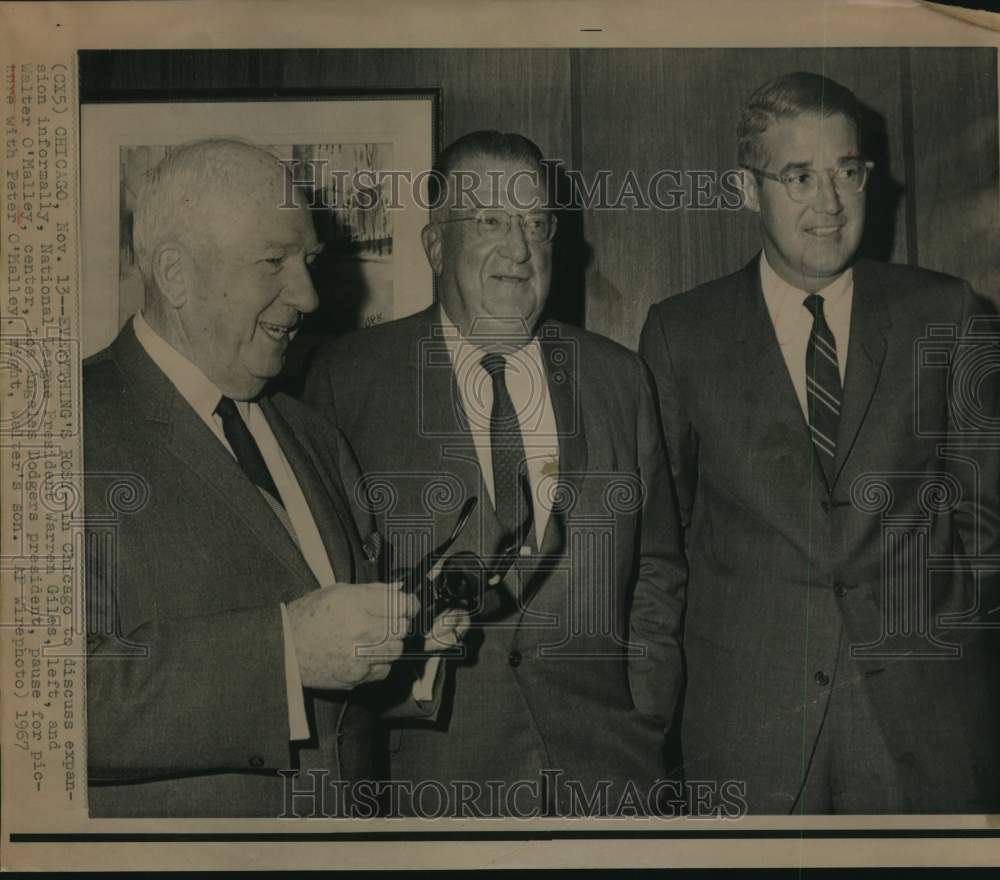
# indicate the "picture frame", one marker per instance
pixel 373 268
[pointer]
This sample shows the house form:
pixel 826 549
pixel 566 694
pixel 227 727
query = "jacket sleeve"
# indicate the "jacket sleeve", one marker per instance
pixel 176 696
pixel 392 698
pixel 656 672
pixel 678 433
pixel 973 413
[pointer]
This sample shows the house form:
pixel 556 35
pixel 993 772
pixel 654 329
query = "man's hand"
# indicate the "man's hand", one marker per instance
pixel 349 635
pixel 447 631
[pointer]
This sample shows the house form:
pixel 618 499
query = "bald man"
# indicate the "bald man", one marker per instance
pixel 235 618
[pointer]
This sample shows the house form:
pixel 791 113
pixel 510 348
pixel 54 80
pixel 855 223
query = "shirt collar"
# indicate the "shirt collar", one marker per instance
pixel 460 348
pixel 777 289
pixel 191 383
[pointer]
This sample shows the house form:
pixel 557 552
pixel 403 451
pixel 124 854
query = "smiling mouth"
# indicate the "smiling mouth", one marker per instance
pixel 277 332
pixel 824 231
pixel 509 279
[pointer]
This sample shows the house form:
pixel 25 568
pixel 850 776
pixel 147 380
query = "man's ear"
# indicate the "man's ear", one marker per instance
pixel 430 235
pixel 173 271
pixel 751 193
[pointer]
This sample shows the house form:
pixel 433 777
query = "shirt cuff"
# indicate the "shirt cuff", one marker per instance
pixel 298 723
pixel 423 687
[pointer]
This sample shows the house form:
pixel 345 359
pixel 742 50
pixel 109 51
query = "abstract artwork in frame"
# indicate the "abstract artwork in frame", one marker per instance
pixel 372 268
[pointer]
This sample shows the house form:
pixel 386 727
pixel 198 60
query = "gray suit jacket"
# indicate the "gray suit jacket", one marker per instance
pixel 187 565
pixel 549 685
pixel 778 561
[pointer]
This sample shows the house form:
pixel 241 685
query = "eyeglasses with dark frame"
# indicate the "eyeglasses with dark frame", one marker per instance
pixel 495 223
pixel 848 179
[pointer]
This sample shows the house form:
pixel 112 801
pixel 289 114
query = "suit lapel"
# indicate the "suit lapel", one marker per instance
pixel 439 405
pixel 763 368
pixel 326 500
pixel 870 323
pixel 194 447
pixel 562 375
pixel 440 433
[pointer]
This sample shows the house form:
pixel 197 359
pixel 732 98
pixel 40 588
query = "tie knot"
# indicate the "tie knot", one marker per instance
pixel 814 302
pixel 494 364
pixel 226 408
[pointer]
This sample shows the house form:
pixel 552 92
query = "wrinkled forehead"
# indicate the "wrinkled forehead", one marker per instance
pixel 486 182
pixel 261 184
pixel 260 210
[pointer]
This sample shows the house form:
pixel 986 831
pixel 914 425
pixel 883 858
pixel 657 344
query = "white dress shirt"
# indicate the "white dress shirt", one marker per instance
pixel 793 321
pixel 527 384
pixel 197 389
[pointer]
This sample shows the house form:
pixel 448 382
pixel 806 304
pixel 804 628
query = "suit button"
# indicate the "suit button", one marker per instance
pixel 514 658
pixel 822 678
pixel 825 505
pixel 256 761
pixel 840 589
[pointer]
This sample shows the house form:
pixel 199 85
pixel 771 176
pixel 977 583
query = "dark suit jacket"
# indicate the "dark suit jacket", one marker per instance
pixel 777 561
pixel 187 565
pixel 551 686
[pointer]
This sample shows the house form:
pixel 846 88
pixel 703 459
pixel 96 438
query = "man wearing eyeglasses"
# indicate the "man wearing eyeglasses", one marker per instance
pixel 807 453
pixel 559 701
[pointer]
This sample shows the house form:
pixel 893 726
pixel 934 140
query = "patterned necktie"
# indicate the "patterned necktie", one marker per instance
pixel 511 501
pixel 823 390
pixel 245 449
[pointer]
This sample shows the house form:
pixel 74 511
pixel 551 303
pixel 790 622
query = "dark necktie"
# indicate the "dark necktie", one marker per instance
pixel 823 390
pixel 511 500
pixel 245 448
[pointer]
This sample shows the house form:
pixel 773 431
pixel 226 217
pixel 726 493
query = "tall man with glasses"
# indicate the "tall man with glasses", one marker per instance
pixel 810 453
pixel 561 696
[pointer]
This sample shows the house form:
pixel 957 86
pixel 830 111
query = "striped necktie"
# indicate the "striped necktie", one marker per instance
pixel 510 498
pixel 823 390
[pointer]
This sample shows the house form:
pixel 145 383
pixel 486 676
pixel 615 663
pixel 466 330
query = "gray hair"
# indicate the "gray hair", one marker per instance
pixel 188 179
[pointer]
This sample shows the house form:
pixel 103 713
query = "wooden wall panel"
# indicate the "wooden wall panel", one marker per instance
pixel 525 90
pixel 512 90
pixel 933 200
pixel 677 109
pixel 954 181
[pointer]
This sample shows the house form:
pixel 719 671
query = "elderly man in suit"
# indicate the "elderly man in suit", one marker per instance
pixel 833 493
pixel 235 617
pixel 572 668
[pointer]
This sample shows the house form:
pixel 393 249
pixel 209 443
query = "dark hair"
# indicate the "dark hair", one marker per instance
pixel 788 96
pixel 503 146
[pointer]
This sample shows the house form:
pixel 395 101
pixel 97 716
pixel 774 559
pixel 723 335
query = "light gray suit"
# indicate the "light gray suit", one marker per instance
pixel 195 572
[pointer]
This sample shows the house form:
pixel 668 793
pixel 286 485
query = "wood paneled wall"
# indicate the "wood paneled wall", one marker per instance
pixel 934 139
pixel 510 89
pixel 932 133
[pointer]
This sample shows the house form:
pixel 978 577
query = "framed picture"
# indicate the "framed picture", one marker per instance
pixel 373 267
